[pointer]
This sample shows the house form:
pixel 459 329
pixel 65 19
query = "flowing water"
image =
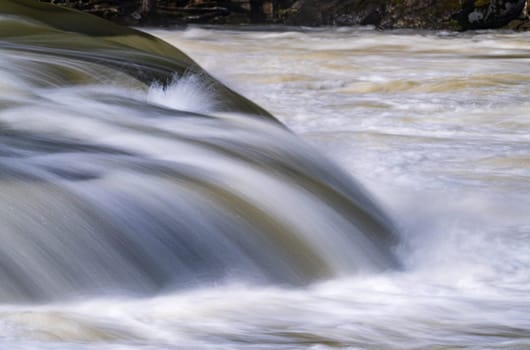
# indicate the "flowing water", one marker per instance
pixel 143 213
pixel 437 125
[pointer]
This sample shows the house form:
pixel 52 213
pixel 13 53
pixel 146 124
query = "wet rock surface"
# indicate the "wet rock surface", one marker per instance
pixel 385 14
pixel 484 14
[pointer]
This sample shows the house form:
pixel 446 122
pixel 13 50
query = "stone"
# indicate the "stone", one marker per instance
pixel 417 14
pixel 518 25
pixel 483 14
pixel 385 14
pixel 337 12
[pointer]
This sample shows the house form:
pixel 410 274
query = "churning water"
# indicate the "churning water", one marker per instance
pixel 143 212
pixel 437 125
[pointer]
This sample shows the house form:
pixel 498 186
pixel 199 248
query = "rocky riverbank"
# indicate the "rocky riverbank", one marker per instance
pixel 385 14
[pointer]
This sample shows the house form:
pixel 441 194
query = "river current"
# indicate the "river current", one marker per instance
pixel 436 126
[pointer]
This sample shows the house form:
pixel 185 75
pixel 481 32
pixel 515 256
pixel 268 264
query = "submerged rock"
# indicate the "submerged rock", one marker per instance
pixel 126 168
pixel 72 35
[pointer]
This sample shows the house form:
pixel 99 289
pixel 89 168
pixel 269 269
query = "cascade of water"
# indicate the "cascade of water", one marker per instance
pixel 126 168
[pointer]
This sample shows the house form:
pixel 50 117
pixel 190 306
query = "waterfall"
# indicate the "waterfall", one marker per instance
pixel 126 168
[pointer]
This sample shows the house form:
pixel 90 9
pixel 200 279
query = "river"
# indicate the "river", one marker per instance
pixel 435 127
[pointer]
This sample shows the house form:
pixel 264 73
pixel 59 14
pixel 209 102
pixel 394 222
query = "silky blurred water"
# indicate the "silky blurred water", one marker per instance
pixel 436 125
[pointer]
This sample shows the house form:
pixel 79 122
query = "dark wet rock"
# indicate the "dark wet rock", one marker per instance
pixel 418 14
pixel 385 14
pixel 421 14
pixel 486 14
pixel 336 12
pixel 522 24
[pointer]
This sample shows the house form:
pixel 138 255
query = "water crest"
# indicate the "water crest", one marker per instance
pixel 125 168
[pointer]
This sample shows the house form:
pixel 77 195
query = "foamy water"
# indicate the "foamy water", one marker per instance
pixel 437 126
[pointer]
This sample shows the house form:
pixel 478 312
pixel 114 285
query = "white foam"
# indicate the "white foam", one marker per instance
pixel 187 93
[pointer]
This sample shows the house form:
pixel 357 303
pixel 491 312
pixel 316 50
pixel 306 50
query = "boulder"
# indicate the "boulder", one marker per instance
pixel 418 14
pixel 385 14
pixel 488 14
pixel 336 12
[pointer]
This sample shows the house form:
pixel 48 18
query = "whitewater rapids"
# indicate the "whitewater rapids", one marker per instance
pixel 437 125
pixel 141 213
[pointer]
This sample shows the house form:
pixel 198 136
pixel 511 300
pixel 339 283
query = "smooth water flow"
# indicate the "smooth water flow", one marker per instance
pixel 437 125
pixel 113 183
pixel 110 186
pixel 145 205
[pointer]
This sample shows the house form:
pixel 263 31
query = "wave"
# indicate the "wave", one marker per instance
pixel 126 168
